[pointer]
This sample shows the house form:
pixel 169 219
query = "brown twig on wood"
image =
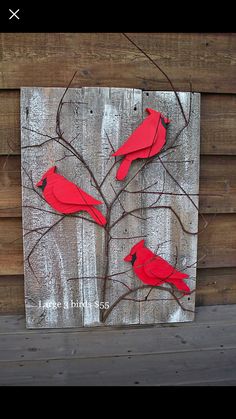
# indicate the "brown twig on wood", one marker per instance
pixel 142 287
pixel 37 243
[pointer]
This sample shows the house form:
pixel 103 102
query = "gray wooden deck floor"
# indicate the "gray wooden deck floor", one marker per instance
pixel 198 353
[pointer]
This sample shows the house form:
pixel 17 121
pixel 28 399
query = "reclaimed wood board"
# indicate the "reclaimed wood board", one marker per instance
pixel 65 267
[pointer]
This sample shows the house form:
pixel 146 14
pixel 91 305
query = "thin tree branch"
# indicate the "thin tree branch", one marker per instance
pixel 160 69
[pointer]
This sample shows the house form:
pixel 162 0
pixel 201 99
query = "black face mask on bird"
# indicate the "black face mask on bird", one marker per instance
pixel 132 256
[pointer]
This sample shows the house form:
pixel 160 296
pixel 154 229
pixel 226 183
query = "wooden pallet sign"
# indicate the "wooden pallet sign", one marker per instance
pixel 75 272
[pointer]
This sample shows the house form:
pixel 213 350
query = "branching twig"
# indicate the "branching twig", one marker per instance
pixel 37 243
pixel 160 69
pixel 142 287
pixel 154 207
pixel 182 189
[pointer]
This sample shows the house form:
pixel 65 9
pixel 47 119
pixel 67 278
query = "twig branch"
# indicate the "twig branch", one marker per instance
pixel 142 287
pixel 109 278
pixel 151 207
pixel 160 69
pixel 37 243
pixel 182 189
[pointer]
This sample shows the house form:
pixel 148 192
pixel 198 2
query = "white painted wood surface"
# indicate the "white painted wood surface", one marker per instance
pixel 178 248
pixel 75 248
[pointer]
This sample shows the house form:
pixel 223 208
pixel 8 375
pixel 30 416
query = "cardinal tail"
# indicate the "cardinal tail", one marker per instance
pixel 180 285
pixel 97 216
pixel 123 169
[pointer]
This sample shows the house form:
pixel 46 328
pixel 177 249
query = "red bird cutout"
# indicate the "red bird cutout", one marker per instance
pixel 154 270
pixel 146 141
pixel 66 197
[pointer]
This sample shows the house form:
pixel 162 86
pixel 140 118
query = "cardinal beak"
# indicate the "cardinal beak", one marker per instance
pixel 39 184
pixel 128 258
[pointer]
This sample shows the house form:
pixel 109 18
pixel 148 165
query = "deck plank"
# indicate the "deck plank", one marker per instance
pixel 184 368
pixel 198 353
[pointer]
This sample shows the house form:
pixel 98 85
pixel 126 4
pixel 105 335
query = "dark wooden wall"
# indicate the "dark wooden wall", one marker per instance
pixel 208 61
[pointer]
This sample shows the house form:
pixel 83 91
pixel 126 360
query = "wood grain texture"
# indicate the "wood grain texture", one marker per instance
pixel 11 260
pixel 115 112
pixel 179 368
pixel 196 353
pixel 103 112
pixel 162 228
pixel 207 315
pixel 218 242
pixel 218 176
pixel 108 59
pixel 25 346
pixel 10 121
pixel 216 286
pixel 218 123
pixel 12 294
pixel 10 186
pixel 217 185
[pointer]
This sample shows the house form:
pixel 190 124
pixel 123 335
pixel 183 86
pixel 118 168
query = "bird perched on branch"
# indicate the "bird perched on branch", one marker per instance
pixel 66 197
pixel 146 141
pixel 154 270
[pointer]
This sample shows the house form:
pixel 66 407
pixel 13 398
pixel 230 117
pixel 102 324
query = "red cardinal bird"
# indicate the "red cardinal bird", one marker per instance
pixel 146 141
pixel 66 197
pixel 154 270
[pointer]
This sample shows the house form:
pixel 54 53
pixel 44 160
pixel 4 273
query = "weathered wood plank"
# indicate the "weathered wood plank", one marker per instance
pixel 218 123
pixel 162 228
pixel 208 315
pixel 216 286
pixel 186 368
pixel 160 356
pixel 12 294
pixel 11 260
pixel 218 242
pixel 10 122
pixel 45 346
pixel 10 186
pixel 108 59
pixel 217 185
pixel 48 283
pixel 108 111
